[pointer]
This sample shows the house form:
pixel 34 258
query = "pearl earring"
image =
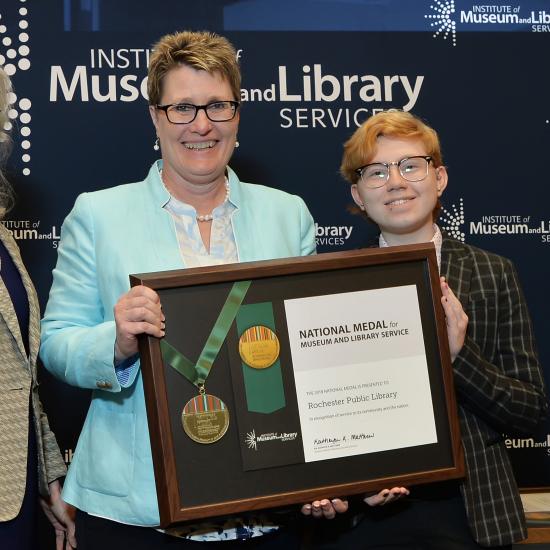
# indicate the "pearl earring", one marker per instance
pixel 156 146
pixel 237 144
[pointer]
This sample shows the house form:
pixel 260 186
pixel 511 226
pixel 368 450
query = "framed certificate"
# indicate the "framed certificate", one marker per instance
pixel 281 382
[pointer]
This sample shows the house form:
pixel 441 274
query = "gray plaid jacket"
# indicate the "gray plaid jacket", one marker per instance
pixel 17 382
pixel 499 386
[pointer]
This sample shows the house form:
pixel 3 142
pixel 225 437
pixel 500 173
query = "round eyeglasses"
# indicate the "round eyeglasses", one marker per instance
pixel 378 173
pixel 184 113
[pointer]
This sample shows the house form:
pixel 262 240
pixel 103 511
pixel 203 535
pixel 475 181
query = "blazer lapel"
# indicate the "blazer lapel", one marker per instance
pixel 456 267
pixel 245 238
pixel 6 307
pixel 248 238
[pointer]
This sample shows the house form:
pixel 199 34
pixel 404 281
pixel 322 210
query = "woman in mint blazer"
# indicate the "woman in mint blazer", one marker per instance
pixel 191 209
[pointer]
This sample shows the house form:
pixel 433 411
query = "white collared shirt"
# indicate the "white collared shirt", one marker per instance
pixel 437 239
pixel 223 249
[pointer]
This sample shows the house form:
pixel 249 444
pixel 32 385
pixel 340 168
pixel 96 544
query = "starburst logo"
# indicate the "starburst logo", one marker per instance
pixel 441 20
pixel 453 220
pixel 251 440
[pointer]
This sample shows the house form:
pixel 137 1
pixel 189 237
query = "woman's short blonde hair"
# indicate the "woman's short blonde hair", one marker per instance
pixel 5 89
pixel 202 50
pixel 361 147
pixel 6 192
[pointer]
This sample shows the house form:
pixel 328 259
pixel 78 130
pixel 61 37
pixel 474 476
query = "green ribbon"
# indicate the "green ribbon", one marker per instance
pixel 198 372
pixel 264 388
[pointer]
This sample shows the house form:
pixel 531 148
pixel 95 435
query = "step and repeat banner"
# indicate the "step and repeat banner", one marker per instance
pixel 313 70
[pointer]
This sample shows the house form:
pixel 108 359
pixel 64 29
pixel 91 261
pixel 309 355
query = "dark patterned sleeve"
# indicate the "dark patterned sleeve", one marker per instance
pixel 497 372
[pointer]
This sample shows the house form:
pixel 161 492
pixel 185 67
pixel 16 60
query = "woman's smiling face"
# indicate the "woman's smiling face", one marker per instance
pixel 198 152
pixel 402 209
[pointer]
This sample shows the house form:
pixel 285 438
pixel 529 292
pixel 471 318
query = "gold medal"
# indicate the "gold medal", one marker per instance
pixel 259 347
pixel 205 418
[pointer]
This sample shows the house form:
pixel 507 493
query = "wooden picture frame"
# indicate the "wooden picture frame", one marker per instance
pixel 197 481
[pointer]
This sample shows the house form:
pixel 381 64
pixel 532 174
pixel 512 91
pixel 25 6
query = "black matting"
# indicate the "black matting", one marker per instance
pixel 214 473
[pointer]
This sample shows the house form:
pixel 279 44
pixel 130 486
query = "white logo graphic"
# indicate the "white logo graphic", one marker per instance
pixel 68 456
pixel 528 443
pixel 251 440
pixel 453 220
pixel 30 230
pixel 441 19
pixel 14 56
pixel 332 235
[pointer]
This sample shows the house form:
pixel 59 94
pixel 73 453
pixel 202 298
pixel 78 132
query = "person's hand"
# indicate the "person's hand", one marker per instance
pixel 327 509
pixel 386 496
pixel 457 320
pixel 61 516
pixel 136 312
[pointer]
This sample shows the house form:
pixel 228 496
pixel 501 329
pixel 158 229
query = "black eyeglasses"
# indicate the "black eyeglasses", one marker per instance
pixel 378 173
pixel 184 113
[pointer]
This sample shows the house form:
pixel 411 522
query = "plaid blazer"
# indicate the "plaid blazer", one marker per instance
pixel 17 383
pixel 499 386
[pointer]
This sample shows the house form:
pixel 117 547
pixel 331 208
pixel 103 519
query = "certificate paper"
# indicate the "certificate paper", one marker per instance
pixel 360 372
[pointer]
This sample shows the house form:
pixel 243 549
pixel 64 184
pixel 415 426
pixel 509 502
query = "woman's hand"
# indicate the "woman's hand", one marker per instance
pixel 136 312
pixel 457 320
pixel 386 496
pixel 327 509
pixel 61 516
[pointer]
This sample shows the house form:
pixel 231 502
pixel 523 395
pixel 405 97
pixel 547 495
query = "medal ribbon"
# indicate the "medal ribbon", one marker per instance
pixel 265 392
pixel 198 373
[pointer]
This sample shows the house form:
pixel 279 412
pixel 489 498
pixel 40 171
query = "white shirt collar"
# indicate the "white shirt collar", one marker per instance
pixel 437 239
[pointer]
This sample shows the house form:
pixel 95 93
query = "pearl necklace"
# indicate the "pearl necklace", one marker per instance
pixel 210 217
pixel 203 217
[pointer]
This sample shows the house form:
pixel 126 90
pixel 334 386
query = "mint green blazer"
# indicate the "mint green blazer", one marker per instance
pixel 108 235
